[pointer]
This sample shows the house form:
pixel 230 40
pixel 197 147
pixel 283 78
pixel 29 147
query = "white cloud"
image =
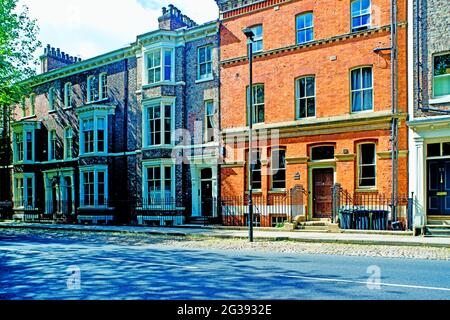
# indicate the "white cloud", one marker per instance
pixel 87 28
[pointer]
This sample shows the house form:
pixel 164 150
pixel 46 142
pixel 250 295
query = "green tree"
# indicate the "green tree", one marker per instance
pixel 18 43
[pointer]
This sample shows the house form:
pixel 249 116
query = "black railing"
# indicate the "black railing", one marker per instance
pixel 157 211
pixel 368 211
pixel 269 211
pixel 6 210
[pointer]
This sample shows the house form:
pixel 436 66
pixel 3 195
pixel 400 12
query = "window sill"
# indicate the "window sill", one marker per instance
pixel 68 108
pixel 94 154
pixel 28 118
pixel 96 101
pixel 161 83
pixel 368 190
pixel 280 191
pixel 163 146
pixel 204 80
pixel 360 112
pixel 52 112
pixel 444 99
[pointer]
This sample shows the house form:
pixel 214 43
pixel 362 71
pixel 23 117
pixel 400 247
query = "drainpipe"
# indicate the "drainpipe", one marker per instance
pixel 394 99
pixel 219 123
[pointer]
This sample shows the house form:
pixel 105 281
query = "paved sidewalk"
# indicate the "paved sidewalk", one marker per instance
pixel 350 238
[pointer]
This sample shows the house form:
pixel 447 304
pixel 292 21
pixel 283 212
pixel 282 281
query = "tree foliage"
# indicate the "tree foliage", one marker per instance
pixel 18 43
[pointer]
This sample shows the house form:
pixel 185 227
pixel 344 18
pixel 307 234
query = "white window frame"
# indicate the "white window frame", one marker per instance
pixel 24 130
pixel 32 105
pixel 68 147
pixel 361 13
pixel 302 15
pixel 272 153
pixel 103 86
pixel 258 38
pixel 306 97
pixel 258 151
pixel 95 170
pixel 161 164
pixel 360 165
pixel 255 105
pixel 24 177
pixel 90 97
pixel 95 116
pixel 360 68
pixel 68 93
pixel 52 143
pixel 145 125
pixel 207 62
pixel 208 131
pixel 162 50
pixel 446 96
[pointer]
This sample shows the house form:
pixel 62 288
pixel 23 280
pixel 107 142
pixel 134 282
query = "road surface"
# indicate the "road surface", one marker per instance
pixel 89 266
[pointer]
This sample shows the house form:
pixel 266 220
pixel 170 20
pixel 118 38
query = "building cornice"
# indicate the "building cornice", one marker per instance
pixel 312 44
pixel 380 120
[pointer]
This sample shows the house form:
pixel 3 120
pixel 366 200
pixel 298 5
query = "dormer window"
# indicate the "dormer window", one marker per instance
pixel 159 66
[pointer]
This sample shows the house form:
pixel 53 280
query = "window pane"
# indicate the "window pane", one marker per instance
pixel 322 153
pixel 308 19
pixel 441 85
pixel 368 97
pixel 310 86
pixel 368 154
pixel 356 79
pixel 434 150
pixel 446 149
pixel 302 111
pixel 367 77
pixel 356 101
pixel 309 35
pixel 311 107
pixel 365 4
pixel 302 87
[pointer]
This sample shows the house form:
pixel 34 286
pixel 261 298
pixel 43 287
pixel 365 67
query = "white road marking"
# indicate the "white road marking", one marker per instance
pixel 365 283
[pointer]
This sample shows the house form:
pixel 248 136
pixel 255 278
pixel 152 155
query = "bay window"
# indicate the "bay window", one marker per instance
pixel 158 123
pixel 158 182
pixel 23 141
pixel 24 197
pixel 94 186
pixel 93 137
pixel 159 65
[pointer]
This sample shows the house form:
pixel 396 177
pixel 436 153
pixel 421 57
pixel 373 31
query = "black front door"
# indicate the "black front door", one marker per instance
pixel 207 194
pixel 439 187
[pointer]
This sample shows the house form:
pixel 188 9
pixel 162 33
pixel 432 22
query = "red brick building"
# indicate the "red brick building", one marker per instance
pixel 322 75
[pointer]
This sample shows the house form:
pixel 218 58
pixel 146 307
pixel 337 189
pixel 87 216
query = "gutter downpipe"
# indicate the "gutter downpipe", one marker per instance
pixel 394 99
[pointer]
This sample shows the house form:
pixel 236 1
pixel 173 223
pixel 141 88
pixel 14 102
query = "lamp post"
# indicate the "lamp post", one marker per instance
pixel 250 36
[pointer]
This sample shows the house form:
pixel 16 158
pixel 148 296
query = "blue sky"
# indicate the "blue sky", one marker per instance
pixel 87 28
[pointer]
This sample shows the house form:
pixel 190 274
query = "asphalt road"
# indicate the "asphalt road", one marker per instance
pixel 90 266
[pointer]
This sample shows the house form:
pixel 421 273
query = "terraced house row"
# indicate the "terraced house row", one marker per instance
pixel 158 132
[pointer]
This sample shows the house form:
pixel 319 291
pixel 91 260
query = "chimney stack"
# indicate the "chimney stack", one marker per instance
pixel 172 19
pixel 54 58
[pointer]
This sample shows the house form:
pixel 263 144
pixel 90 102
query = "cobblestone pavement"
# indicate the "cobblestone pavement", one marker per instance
pixel 405 252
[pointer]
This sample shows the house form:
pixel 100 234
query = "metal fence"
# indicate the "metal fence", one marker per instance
pixel 369 211
pixel 158 211
pixel 269 211
pixel 6 210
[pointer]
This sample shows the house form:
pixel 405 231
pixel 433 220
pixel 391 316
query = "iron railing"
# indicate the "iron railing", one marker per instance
pixel 368 211
pixel 269 211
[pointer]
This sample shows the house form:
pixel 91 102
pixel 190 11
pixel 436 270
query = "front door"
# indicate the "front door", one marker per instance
pixel 439 187
pixel 207 192
pixel 323 180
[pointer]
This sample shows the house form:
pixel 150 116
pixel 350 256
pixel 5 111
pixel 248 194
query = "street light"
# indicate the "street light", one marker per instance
pixel 250 36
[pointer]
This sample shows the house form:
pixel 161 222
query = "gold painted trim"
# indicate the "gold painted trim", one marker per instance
pixel 345 157
pixel 233 165
pixel 300 160
pixel 388 154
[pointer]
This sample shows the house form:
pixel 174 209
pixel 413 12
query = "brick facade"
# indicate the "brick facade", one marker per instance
pixel 127 97
pixel 330 57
